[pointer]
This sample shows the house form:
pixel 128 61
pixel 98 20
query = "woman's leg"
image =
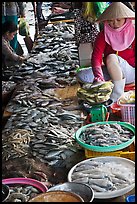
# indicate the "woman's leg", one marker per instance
pixel 119 68
pixel 116 75
pixel 39 12
pixel 113 67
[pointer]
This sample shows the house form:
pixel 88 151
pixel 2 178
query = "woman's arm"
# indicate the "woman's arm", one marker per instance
pixel 97 55
pixel 8 52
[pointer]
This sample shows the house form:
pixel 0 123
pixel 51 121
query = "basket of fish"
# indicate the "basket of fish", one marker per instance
pixel 95 94
pixel 23 189
pixel 105 136
pixel 108 176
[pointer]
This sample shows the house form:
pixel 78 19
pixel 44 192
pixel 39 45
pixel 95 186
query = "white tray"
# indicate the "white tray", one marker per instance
pixel 125 163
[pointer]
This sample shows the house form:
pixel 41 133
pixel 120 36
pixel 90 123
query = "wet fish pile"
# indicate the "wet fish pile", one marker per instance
pixel 52 127
pixel 52 53
pixel 8 86
pixel 103 176
pixel 22 193
pixel 106 135
pixel 34 105
pixel 16 144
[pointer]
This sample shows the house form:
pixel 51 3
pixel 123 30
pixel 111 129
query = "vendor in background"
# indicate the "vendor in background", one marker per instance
pixel 10 12
pixel 9 57
pixel 37 6
pixel 86 29
pixel 85 33
pixel 133 4
pixel 129 5
pixel 39 17
pixel 116 45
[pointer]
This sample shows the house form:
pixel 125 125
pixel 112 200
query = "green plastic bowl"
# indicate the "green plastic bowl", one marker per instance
pixel 108 148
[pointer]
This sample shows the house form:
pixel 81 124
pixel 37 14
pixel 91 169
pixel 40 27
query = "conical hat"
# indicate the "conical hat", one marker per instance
pixel 116 10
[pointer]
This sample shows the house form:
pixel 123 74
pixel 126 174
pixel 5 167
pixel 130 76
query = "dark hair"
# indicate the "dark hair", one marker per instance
pixel 129 5
pixel 76 5
pixel 9 26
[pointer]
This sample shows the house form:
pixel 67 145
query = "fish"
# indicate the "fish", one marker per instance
pixel 82 180
pixel 105 135
pixel 37 109
pixel 104 183
pixel 97 188
pixel 103 176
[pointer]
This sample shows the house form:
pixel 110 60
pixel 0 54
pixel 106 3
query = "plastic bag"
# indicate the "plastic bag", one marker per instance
pixel 89 12
pixel 23 27
pixel 100 7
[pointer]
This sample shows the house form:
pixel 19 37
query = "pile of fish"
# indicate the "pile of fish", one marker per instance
pixel 8 86
pixel 95 93
pixel 22 193
pixel 34 106
pixel 49 126
pixel 16 144
pixel 103 176
pixel 105 135
pixel 52 53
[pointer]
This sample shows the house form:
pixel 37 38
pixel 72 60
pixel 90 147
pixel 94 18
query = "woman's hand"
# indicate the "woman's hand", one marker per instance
pixel 22 59
pixel 97 83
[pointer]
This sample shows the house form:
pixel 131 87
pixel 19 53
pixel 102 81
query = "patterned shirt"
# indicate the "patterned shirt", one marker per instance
pixel 85 31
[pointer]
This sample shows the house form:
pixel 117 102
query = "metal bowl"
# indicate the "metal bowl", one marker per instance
pixel 57 196
pixel 81 189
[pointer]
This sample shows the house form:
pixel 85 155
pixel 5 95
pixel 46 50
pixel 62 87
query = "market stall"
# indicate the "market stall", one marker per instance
pixel 39 144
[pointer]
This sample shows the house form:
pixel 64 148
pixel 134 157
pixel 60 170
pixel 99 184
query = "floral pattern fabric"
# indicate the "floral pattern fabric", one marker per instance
pixel 85 31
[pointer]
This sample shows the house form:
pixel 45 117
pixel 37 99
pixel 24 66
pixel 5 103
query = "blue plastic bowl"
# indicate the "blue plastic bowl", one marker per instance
pixel 130 198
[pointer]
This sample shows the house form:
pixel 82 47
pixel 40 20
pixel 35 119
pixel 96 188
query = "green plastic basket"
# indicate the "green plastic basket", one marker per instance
pixel 108 148
pixel 98 113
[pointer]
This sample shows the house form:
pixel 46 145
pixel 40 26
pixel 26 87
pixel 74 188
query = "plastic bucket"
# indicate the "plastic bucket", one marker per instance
pixel 130 198
pixel 116 109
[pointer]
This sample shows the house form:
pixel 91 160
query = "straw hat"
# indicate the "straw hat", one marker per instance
pixel 116 10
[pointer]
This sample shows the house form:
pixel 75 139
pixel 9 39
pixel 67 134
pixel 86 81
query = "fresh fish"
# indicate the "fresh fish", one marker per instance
pixel 104 183
pixel 105 135
pixel 82 180
pixel 103 176
pixel 97 188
